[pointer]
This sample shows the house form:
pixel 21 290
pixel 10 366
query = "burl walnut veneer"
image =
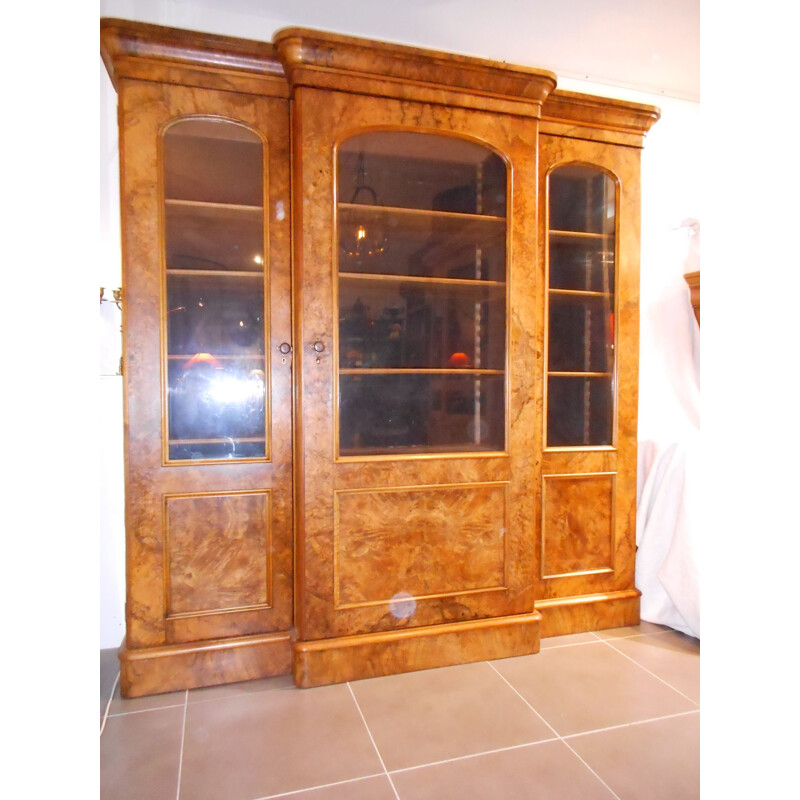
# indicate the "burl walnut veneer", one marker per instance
pixel 300 543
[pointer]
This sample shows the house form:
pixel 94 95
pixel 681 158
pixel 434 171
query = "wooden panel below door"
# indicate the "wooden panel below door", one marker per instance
pixel 418 542
pixel 577 524
pixel 217 552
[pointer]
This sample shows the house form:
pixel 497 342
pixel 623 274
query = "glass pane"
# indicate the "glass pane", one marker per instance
pixel 422 295
pixel 582 200
pixel 581 335
pixel 421 171
pixel 580 411
pixel 214 245
pixel 420 413
pixel 581 301
pixel 421 244
pixel 414 325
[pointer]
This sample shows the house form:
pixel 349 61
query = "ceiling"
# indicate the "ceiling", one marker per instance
pixel 647 45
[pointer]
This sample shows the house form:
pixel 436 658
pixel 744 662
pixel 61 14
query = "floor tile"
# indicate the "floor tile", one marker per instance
pixel 546 771
pixel 431 715
pixel 258 744
pixel 590 686
pixel 568 639
pixel 140 755
pixel 122 705
pixel 658 760
pixel 632 630
pixel 241 687
pixel 673 656
pixel 109 669
pixel 375 788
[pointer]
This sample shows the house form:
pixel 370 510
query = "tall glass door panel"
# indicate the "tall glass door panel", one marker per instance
pixel 215 270
pixel 422 295
pixel 581 301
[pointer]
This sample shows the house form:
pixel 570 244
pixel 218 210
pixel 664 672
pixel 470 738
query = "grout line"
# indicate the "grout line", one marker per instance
pixel 475 755
pixel 598 638
pixel 380 758
pixel 183 739
pixel 516 691
pixel 631 724
pixel 561 738
pixel 292 792
pixel 650 672
pixel 145 710
pixel 108 704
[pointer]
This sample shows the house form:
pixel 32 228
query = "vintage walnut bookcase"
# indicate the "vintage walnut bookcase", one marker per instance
pixel 380 357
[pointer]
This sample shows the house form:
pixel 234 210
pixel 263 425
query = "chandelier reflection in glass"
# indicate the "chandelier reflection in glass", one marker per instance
pixel 364 236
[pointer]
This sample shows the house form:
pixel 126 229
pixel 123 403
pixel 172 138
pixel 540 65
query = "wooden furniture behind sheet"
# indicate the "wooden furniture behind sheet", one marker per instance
pixel 324 546
pixel 693 280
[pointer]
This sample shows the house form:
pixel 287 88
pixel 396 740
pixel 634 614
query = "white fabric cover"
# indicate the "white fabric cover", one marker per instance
pixel 667 535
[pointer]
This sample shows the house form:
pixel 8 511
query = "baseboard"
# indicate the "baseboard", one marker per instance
pixel 169 668
pixel 326 661
pixel 594 612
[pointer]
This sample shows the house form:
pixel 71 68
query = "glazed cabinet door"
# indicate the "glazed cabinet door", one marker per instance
pixel 589 233
pixel 207 369
pixel 417 322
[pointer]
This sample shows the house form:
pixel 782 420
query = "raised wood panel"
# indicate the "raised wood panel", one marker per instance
pixel 398 544
pixel 218 552
pixel 577 524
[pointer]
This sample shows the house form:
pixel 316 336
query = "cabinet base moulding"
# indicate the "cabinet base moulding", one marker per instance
pixel 595 612
pixel 169 668
pixel 327 661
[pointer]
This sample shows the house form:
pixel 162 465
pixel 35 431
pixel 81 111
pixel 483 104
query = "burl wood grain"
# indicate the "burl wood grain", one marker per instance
pixel 372 655
pixel 218 552
pixel 156 615
pixel 602 519
pixel 577 524
pixel 209 561
pixel 154 670
pixel 418 542
pixel 322 119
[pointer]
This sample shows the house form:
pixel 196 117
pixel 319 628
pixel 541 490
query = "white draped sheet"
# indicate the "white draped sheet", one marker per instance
pixel 667 529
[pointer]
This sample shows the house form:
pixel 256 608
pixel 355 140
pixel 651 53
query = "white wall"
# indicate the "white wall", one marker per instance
pixel 670 182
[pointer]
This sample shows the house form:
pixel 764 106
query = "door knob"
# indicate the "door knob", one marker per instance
pixel 285 348
pixel 318 346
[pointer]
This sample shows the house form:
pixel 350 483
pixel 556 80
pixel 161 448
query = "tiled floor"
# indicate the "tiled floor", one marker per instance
pixel 613 714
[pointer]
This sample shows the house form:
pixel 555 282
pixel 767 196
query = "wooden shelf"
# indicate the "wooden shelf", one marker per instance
pixel 471 283
pixel 209 206
pixel 423 214
pixel 580 374
pixel 423 371
pixel 579 293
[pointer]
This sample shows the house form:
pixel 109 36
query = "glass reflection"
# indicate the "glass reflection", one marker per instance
pixel 215 277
